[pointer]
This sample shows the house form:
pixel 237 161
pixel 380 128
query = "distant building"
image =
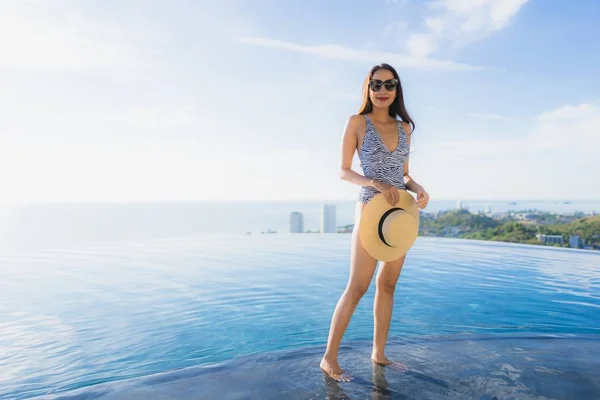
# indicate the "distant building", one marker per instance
pixel 459 205
pixel 575 241
pixel 296 222
pixel 523 216
pixel 550 239
pixel 328 218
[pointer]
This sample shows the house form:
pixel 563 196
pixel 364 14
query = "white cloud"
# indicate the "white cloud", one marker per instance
pixel 459 22
pixel 420 46
pixel 395 29
pixel 349 54
pixel 494 117
pixel 568 113
pixel 453 22
pixel 569 129
pixel 487 116
pixel 573 129
pixel 36 35
pixel 555 159
pixel 157 118
pixel 124 171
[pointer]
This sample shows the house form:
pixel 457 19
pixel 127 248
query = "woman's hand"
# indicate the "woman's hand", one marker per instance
pixel 422 197
pixel 390 192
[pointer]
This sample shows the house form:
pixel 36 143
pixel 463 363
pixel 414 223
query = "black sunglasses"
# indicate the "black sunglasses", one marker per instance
pixel 390 84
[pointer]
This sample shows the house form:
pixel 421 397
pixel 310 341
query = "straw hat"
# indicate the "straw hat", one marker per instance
pixel 388 232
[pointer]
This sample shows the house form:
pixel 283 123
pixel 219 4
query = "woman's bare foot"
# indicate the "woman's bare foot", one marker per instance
pixel 333 369
pixel 383 360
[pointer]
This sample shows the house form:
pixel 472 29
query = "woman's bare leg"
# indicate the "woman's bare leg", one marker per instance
pixel 362 267
pixel 386 280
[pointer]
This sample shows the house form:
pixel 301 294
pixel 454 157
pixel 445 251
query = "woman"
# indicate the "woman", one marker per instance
pixel 382 142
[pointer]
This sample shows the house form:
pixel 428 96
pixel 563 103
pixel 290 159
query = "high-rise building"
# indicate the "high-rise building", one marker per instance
pixel 328 218
pixel 296 222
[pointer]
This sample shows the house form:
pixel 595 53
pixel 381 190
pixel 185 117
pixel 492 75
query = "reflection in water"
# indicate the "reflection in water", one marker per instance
pixel 380 384
pixel 334 390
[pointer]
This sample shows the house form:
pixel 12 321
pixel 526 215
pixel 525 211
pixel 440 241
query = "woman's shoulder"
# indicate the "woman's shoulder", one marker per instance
pixel 356 121
pixel 356 118
pixel 406 127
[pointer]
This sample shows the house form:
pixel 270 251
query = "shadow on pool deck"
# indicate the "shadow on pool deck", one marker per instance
pixel 459 367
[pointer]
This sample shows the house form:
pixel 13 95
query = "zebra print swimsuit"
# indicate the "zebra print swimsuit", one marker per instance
pixel 378 163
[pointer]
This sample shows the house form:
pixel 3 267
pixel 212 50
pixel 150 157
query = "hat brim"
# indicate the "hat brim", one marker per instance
pixel 369 227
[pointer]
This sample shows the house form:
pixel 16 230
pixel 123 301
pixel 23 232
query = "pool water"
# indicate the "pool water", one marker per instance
pixel 184 318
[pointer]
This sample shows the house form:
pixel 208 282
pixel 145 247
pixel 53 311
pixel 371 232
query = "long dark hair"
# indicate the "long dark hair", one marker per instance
pixel 397 108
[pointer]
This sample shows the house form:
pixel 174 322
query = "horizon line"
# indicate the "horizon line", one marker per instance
pixel 145 201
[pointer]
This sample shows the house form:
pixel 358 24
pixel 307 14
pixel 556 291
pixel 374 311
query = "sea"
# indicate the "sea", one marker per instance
pixel 29 226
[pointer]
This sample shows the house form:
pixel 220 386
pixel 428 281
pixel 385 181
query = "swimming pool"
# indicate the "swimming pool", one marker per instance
pixel 248 317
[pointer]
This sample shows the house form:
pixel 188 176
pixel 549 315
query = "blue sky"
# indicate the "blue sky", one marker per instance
pixel 246 100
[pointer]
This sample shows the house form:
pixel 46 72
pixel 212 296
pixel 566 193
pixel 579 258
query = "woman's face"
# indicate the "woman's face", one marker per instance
pixel 382 88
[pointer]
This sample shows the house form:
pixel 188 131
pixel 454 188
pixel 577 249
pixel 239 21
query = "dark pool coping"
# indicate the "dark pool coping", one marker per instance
pixel 294 373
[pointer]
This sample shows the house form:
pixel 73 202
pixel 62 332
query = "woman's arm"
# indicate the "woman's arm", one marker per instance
pixel 349 144
pixel 409 182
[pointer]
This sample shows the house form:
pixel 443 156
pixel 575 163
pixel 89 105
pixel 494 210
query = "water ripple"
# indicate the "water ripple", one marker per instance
pixel 75 317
